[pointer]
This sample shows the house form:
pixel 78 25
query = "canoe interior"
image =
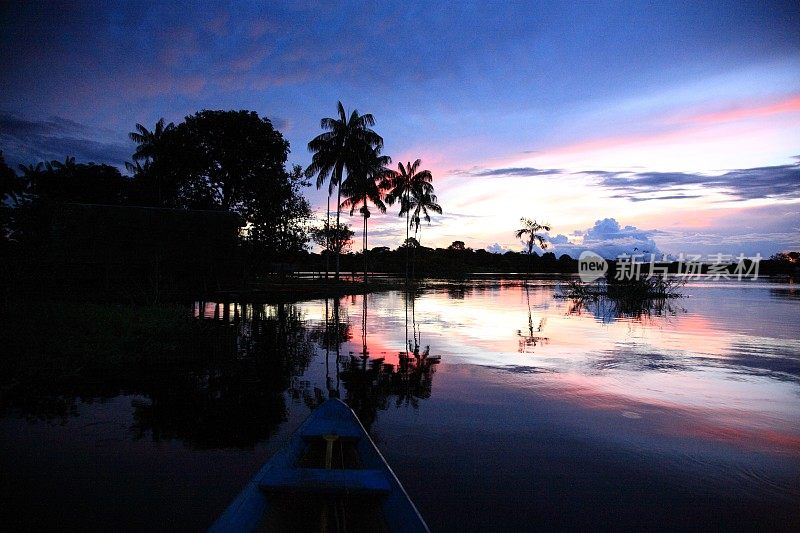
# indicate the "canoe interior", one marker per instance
pixel 353 514
pixel 329 477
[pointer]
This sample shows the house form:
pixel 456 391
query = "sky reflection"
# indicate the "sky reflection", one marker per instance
pixel 688 420
pixel 713 371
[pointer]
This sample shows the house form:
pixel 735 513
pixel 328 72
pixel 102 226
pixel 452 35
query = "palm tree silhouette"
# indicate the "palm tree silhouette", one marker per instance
pixel 531 228
pixel 422 204
pixel 338 150
pixel 150 145
pixel 406 183
pixel 367 181
pixel 149 142
pixel 68 164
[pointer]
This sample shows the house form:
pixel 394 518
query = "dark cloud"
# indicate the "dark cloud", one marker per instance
pixel 662 197
pixel 17 126
pixel 26 141
pixel 780 181
pixel 601 173
pixel 507 172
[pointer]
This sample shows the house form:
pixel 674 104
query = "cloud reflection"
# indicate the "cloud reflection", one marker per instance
pixel 689 376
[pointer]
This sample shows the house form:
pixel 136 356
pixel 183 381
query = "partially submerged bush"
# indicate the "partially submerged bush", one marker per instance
pixel 632 297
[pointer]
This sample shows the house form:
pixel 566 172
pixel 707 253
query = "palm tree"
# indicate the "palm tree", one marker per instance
pixel 149 141
pixel 422 204
pixel 531 228
pixel 150 145
pixel 406 183
pixel 367 181
pixel 338 150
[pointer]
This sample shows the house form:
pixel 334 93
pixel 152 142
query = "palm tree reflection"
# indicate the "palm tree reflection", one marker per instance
pixel 532 337
pixel 335 332
pixel 370 384
pixel 231 382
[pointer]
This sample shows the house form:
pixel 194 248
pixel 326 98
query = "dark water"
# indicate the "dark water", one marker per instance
pixel 499 407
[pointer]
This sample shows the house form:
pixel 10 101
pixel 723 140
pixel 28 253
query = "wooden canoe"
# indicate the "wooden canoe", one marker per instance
pixel 329 477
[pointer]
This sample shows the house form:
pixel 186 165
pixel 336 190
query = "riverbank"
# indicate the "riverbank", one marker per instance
pixel 298 289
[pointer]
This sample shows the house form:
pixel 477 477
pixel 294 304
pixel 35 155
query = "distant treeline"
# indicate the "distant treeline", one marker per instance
pixel 458 260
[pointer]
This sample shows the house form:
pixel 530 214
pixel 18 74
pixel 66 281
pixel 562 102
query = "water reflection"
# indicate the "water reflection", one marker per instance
pixel 697 403
pixel 785 287
pixel 231 384
pixel 368 384
pixel 533 337
pixel 371 383
pixel 606 309
pixel 237 398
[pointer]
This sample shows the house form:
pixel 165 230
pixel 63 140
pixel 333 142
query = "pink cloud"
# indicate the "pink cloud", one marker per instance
pixel 253 57
pixel 742 112
pixel 258 28
pixel 219 24
pixel 681 128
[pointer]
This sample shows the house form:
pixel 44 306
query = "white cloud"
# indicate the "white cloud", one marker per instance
pixel 497 248
pixel 606 238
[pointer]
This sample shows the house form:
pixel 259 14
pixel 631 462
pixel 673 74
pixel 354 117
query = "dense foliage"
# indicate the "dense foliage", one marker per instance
pixel 232 161
pixel 218 176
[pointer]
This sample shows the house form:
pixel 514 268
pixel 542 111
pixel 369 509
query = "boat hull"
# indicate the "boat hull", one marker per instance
pixel 284 480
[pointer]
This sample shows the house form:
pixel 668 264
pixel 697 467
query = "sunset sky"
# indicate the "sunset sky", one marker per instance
pixel 671 126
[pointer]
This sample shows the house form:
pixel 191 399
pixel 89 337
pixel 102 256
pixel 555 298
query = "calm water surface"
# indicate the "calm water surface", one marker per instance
pixel 498 405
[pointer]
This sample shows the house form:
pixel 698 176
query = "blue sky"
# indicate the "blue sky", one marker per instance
pixel 677 120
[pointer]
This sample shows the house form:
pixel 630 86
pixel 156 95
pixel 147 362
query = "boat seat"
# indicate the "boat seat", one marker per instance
pixel 331 428
pixel 324 481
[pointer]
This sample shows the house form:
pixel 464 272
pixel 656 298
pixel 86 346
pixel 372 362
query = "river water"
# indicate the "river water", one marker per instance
pixel 499 405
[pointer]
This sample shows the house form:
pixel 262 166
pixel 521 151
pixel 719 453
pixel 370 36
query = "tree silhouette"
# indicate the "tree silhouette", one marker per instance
pixel 151 185
pixel 338 239
pixel 150 144
pixel 408 183
pixel 277 213
pixel 57 182
pixel 31 176
pixel 422 206
pixel 228 156
pixel 531 229
pixel 367 182
pixel 338 150
pixel 10 185
pixel 11 190
pixel 411 242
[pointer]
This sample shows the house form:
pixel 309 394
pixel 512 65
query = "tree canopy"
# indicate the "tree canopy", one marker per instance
pixel 231 161
pixel 226 161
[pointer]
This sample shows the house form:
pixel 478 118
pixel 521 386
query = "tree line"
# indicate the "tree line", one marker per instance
pixel 235 163
pixel 232 162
